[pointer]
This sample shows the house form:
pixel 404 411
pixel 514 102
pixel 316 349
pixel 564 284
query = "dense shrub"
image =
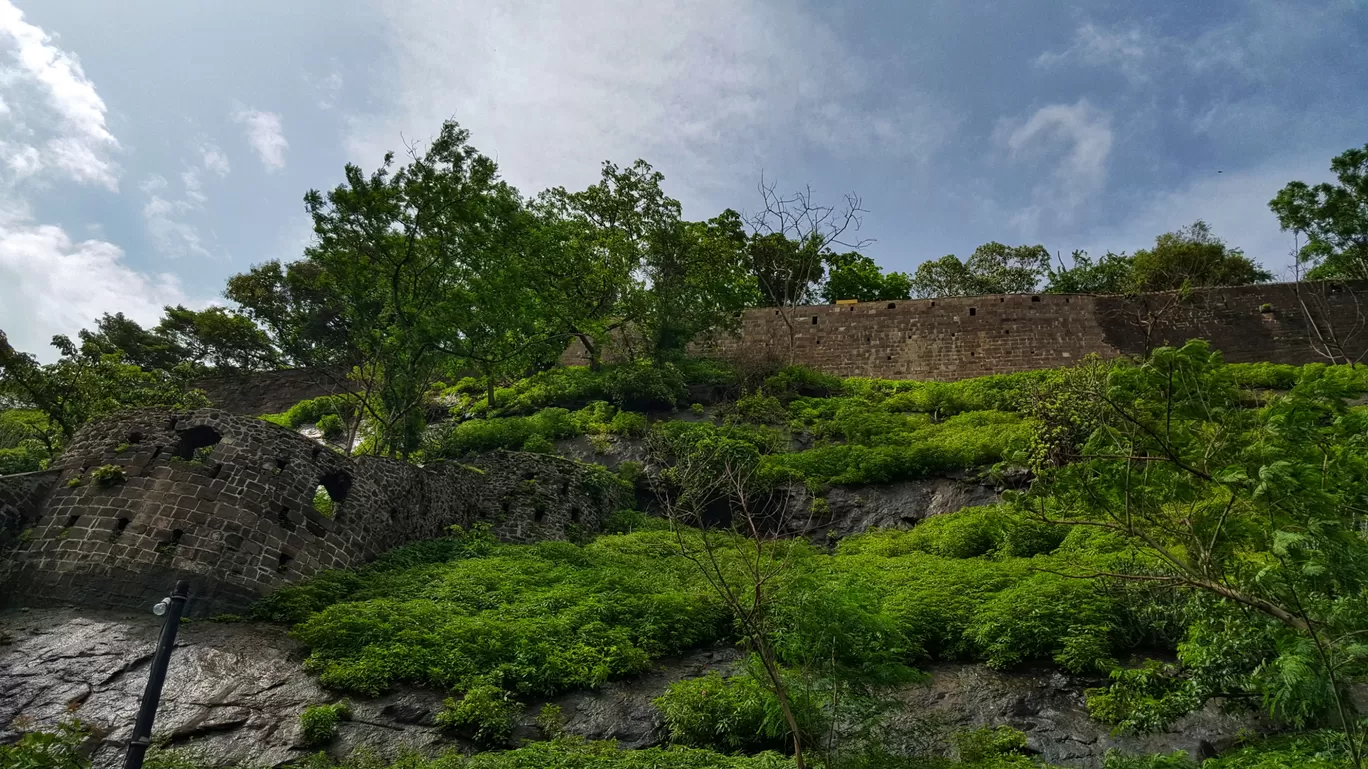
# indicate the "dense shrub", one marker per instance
pixel 331 426
pixel 318 723
pixel 967 441
pixel 730 714
pixel 536 619
pixel 21 460
pixel 757 408
pixel 486 714
pixel 313 410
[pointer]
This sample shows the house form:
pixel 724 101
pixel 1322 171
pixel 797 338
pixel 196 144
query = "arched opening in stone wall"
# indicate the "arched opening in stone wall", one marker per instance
pixel 332 493
pixel 197 443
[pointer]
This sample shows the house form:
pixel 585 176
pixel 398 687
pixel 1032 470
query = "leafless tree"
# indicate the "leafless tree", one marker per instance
pixel 737 553
pixel 1334 334
pixel 790 236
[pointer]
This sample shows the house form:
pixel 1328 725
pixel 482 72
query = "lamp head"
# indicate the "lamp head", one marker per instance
pixel 161 606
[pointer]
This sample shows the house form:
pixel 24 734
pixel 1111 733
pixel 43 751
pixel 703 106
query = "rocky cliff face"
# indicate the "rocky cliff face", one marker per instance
pixel 235 691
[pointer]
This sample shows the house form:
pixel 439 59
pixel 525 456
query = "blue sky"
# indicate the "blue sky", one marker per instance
pixel 148 150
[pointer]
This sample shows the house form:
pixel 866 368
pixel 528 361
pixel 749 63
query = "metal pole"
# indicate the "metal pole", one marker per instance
pixel 156 676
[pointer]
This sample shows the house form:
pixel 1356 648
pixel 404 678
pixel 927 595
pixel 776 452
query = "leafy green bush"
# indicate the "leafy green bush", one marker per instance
pixel 61 749
pixel 964 442
pixel 628 424
pixel 758 408
pixel 331 426
pixel 551 721
pixel 108 475
pixel 984 744
pixel 1117 760
pixel 802 382
pixel 646 387
pixel 527 619
pixel 1266 376
pixel 538 444
pixel 487 714
pixel 21 460
pixel 318 723
pixel 728 714
pixel 313 410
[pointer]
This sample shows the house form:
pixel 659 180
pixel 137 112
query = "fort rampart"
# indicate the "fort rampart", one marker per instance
pixel 227 502
pixel 961 337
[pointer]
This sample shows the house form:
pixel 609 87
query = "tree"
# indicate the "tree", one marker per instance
pixel 1192 256
pixel 739 559
pixel 595 246
pixel 1334 217
pixel 699 282
pixel 791 237
pixel 855 276
pixel 120 334
pixel 219 339
pixel 395 249
pixel 80 387
pixel 1112 274
pixel 993 268
pixel 1254 511
pixel 300 309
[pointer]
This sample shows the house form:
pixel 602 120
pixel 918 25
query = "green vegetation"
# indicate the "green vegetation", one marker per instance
pixel 486 714
pixel 108 475
pixel 318 723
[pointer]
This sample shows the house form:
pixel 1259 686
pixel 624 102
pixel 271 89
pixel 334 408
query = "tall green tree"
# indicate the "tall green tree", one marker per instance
pixel 1333 217
pixel 117 333
pixel 1254 512
pixel 595 244
pixel 1111 274
pixel 852 275
pixel 699 282
pixel 395 248
pixel 993 268
pixel 1193 256
pixel 219 339
pixel 298 306
pixel 79 387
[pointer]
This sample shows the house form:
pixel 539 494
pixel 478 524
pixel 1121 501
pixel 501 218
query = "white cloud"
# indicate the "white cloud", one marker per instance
pixel 709 92
pixel 52 284
pixel 327 89
pixel 1129 50
pixel 1234 203
pixel 214 160
pixel 264 134
pixel 1076 141
pixel 54 116
pixel 165 217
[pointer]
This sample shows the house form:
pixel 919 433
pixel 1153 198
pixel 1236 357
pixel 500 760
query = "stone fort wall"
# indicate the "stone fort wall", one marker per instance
pixel 226 502
pixel 961 337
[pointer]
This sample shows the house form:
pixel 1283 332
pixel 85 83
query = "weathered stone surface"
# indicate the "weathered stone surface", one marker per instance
pixel 226 502
pixel 853 509
pixel 953 338
pixel 235 691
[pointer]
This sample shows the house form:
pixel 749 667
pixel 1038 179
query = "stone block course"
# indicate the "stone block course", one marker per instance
pixel 237 524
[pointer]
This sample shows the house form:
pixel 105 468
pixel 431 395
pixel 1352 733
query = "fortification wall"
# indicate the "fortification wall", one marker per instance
pixel 960 337
pixel 226 502
pixel 268 392
pixel 21 499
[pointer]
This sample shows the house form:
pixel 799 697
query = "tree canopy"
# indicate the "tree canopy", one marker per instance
pixel 1333 217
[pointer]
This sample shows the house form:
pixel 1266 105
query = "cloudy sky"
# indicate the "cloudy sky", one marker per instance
pixel 148 150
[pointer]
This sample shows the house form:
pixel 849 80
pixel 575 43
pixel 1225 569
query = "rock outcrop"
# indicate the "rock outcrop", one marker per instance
pixel 235 691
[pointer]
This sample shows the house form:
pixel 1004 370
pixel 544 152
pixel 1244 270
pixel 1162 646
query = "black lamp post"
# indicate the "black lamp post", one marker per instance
pixel 172 608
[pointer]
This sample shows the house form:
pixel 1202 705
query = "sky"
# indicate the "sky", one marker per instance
pixel 150 150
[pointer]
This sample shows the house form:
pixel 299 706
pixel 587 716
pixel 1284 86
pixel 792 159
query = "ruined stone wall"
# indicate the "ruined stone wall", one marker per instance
pixel 961 337
pixel 227 502
pixel 21 500
pixel 268 392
